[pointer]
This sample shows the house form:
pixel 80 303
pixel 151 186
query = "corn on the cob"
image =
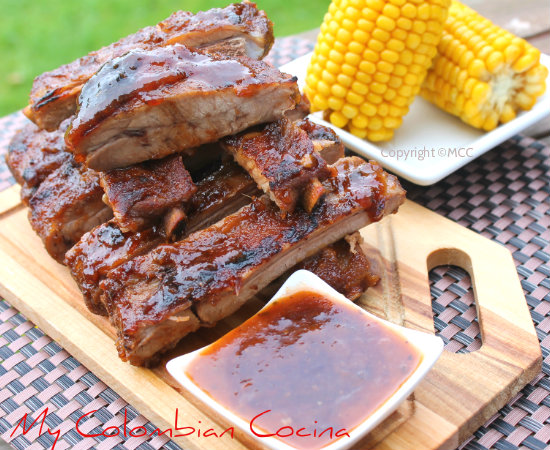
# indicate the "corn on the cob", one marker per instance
pixel 482 73
pixel 370 60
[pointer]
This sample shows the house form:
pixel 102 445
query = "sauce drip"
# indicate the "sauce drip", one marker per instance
pixel 313 362
pixel 139 72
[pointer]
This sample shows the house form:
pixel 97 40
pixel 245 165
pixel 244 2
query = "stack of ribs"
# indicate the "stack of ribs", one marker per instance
pixel 176 175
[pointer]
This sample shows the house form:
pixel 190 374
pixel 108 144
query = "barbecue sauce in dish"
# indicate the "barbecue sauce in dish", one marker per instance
pixel 320 366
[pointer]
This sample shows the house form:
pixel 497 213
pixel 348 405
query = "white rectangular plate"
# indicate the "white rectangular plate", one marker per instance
pixel 436 135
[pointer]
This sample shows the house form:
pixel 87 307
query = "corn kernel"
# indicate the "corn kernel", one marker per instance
pixel 356 48
pixel 348 69
pixel 408 10
pixel 359 88
pixel 381 35
pixel 335 103
pixel 367 109
pixel 385 23
pixel 359 132
pixel 391 11
pixel 389 56
pixel 375 45
pixel 413 41
pixel 350 111
pixel 360 121
pixel 384 67
pixel 404 23
pixel 338 119
pixel 354 98
pixel 338 91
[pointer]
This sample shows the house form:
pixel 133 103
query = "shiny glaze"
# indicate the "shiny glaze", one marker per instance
pixel 33 154
pixel 63 84
pixel 144 192
pixel 137 73
pixel 314 362
pixel 100 251
pixel 64 206
pixel 219 259
pixel 281 158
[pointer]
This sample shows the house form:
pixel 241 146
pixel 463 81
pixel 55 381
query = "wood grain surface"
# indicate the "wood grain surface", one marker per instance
pixel 461 392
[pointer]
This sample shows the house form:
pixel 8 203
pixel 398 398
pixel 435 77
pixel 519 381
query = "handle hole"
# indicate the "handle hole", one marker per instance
pixel 454 309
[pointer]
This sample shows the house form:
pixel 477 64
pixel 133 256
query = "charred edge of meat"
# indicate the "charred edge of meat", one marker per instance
pixel 67 204
pixel 33 154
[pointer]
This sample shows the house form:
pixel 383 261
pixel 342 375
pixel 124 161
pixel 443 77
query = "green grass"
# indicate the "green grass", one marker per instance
pixel 40 35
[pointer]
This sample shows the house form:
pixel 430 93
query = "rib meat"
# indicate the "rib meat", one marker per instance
pixel 325 140
pixel 282 159
pixel 344 266
pixel 142 193
pixel 101 250
pixel 33 154
pixel 219 194
pixel 107 246
pixel 67 204
pixel 158 298
pixel 150 104
pixel 236 28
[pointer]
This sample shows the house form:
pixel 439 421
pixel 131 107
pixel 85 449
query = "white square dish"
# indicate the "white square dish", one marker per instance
pixel 427 127
pixel 428 346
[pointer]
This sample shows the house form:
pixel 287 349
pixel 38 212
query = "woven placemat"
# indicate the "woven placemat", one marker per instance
pixel 504 195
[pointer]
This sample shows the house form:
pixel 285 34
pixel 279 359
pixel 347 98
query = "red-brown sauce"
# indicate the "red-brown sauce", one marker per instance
pixel 316 364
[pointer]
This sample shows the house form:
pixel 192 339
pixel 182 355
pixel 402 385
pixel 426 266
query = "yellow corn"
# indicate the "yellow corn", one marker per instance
pixel 370 60
pixel 482 73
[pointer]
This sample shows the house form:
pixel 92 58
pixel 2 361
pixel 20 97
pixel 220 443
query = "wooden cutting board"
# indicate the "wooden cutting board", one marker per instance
pixel 458 395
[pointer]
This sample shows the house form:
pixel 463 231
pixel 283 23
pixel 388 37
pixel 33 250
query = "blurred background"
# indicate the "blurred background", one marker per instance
pixel 41 35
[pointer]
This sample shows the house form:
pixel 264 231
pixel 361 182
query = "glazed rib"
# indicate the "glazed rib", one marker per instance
pixel 238 27
pixel 142 193
pixel 101 250
pixel 67 204
pixel 158 298
pixel 107 246
pixel 344 266
pixel 33 154
pixel 283 161
pixel 150 104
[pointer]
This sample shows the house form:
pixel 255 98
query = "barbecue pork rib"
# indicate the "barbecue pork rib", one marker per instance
pixel 142 193
pixel 150 104
pixel 101 250
pixel 106 247
pixel 283 161
pixel 238 27
pixel 33 154
pixel 156 299
pixel 67 204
